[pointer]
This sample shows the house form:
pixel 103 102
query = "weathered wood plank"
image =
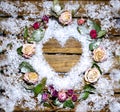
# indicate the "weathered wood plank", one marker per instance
pixel 39 7
pixel 72 46
pixel 62 63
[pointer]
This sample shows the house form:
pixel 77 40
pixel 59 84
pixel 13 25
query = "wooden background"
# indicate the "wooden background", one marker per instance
pixel 62 59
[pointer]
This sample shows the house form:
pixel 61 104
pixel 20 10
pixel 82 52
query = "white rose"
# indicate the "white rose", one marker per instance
pixel 57 8
pixel 65 18
pixel 92 75
pixel 99 54
pixel 31 77
pixel 28 50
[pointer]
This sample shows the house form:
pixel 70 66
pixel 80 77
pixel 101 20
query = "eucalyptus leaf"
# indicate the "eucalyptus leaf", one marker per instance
pixel 26 67
pixel 78 28
pixel 19 50
pixel 84 95
pixel 68 103
pixel 39 88
pixel 83 30
pixel 101 33
pixel 97 66
pixel 97 27
pixel 25 35
pixel 37 35
pixel 93 46
pixel 56 102
pixel 88 88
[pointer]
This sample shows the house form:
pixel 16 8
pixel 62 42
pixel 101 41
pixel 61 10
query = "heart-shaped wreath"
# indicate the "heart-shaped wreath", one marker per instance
pixel 59 91
pixel 36 75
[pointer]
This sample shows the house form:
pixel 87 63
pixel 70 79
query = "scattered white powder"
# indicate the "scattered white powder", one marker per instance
pixel 104 87
pixel 13 25
pixel 115 106
pixel 11 82
pixel 82 107
pixel 104 13
pixel 9 8
pixel 115 77
pixel 72 6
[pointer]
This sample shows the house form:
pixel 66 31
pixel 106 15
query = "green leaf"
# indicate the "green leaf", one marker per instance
pixel 93 46
pixel 26 67
pixel 101 33
pixel 46 104
pixel 85 95
pixel 56 102
pixel 96 65
pixel 19 50
pixel 39 88
pixel 25 35
pixel 68 103
pixel 37 35
pixel 79 30
pixel 97 27
pixel 89 88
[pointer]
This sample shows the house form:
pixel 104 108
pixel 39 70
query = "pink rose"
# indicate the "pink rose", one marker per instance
pixel 28 50
pixel 65 18
pixel 31 77
pixel 62 96
pixel 93 34
pixel 80 21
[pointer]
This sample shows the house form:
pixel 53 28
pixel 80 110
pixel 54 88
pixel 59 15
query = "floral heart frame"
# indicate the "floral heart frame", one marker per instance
pixel 42 67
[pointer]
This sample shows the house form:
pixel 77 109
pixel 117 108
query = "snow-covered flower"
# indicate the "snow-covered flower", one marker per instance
pixel 31 77
pixel 28 50
pixel 62 96
pixel 99 54
pixel 92 75
pixel 65 18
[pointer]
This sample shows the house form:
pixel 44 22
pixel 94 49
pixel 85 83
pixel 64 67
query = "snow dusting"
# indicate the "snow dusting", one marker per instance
pixel 11 79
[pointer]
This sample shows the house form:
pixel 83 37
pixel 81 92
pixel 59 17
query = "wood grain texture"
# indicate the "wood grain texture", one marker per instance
pixel 62 63
pixel 62 59
pixel 71 46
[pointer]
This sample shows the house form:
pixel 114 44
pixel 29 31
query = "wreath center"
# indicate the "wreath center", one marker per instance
pixel 62 59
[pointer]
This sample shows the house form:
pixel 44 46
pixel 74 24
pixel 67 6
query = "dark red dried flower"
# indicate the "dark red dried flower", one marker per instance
pixel 93 34
pixel 36 25
pixel 45 18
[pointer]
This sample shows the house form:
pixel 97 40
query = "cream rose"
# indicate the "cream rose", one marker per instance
pixel 99 54
pixel 65 18
pixel 31 77
pixel 28 50
pixel 92 75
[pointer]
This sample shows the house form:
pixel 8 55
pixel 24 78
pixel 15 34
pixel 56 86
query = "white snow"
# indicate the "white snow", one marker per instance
pixel 12 82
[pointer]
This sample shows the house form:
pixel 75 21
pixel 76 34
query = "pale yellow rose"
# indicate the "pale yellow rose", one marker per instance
pixel 28 50
pixel 92 75
pixel 99 54
pixel 31 77
pixel 65 18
